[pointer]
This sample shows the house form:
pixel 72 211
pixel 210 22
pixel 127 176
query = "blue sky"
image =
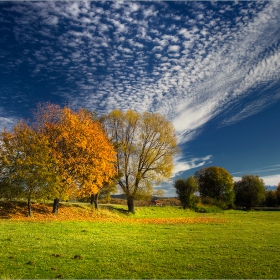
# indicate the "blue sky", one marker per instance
pixel 212 68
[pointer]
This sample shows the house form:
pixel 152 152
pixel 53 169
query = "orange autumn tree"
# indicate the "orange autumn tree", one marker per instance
pixel 85 155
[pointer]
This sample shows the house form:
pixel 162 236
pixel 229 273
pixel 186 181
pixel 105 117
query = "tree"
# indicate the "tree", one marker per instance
pixel 86 158
pixel 159 193
pixel 145 145
pixel 26 164
pixel 185 190
pixel 216 183
pixel 250 191
pixel 278 193
pixel 8 190
pixel 271 198
pixel 106 191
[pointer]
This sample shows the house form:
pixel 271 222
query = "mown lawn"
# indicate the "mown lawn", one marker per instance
pixel 233 244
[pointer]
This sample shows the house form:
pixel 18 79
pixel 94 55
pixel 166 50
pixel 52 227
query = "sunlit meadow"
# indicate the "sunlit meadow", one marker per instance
pixel 156 242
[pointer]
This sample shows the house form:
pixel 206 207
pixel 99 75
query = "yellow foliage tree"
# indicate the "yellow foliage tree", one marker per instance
pixel 86 158
pixel 26 164
pixel 145 145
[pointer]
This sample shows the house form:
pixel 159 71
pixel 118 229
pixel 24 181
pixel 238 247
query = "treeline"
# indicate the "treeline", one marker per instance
pixel 64 154
pixel 215 186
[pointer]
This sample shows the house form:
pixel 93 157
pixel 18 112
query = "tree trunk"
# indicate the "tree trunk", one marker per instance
pixel 108 198
pixel 55 205
pixel 130 204
pixel 29 208
pixel 94 200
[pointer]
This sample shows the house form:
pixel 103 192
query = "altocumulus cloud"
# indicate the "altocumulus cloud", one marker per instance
pixel 191 61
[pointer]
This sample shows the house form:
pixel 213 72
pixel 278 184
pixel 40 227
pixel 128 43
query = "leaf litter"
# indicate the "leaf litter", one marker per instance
pixel 43 213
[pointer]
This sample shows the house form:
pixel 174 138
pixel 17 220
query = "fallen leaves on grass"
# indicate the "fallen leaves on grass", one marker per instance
pixel 42 213
pixel 176 221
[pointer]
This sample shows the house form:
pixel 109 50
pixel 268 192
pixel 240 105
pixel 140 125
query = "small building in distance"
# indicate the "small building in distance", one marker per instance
pixel 156 202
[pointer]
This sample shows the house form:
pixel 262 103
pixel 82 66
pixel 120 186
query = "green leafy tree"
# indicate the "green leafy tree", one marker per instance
pixel 250 191
pixel 145 145
pixel 216 183
pixel 185 190
pixel 26 164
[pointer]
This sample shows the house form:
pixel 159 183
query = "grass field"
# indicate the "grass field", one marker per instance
pixel 156 242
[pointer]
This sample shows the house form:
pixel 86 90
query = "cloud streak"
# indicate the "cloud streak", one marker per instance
pixel 260 170
pixel 270 180
pixel 184 165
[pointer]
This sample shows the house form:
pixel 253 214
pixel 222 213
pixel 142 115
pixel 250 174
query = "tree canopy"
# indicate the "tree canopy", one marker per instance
pixel 216 183
pixel 145 145
pixel 250 191
pixel 86 158
pixel 185 190
pixel 26 164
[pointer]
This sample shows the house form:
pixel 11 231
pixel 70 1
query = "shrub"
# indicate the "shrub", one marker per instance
pixel 214 202
pixel 207 209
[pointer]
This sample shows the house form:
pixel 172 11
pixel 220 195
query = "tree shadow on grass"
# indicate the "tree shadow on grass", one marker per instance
pixel 115 209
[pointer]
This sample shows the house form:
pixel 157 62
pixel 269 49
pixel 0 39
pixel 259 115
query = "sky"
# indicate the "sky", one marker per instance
pixel 211 68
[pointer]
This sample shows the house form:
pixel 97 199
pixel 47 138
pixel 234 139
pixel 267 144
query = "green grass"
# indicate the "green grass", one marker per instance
pixel 247 246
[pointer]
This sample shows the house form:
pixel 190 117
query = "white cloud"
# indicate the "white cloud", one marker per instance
pixel 182 165
pixel 189 76
pixel 149 12
pixel 121 27
pixel 193 117
pixel 174 48
pixel 51 20
pixel 73 9
pixel 272 180
pixel 134 7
